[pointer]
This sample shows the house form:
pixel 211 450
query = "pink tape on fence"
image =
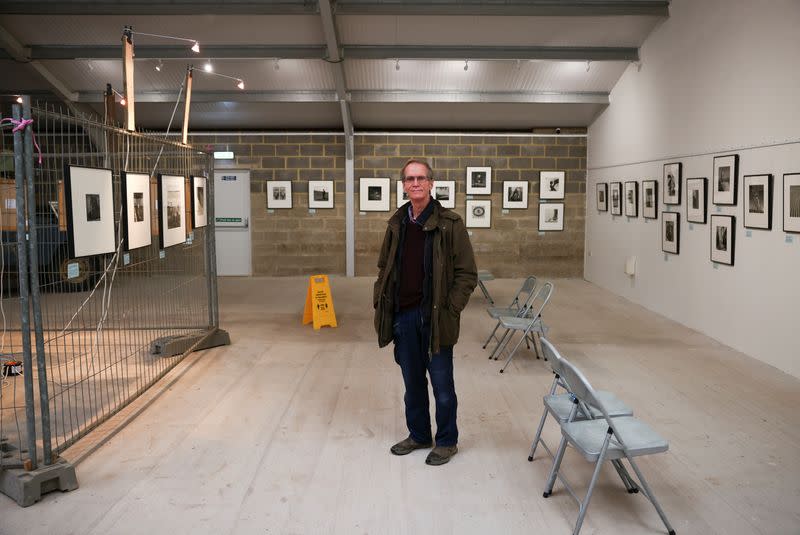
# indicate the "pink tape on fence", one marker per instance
pixel 19 126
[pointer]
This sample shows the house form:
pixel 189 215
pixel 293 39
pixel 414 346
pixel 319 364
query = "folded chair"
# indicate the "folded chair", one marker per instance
pixel 559 406
pixel 603 439
pixel 517 307
pixel 530 324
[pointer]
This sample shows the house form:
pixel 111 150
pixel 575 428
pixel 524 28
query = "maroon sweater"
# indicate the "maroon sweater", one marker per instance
pixel 412 272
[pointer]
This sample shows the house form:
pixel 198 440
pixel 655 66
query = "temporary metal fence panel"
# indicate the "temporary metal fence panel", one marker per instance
pixel 94 318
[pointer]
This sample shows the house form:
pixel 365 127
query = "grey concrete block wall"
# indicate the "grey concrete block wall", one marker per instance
pixel 296 242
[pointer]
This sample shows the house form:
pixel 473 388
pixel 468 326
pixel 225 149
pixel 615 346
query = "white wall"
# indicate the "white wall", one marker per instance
pixel 718 77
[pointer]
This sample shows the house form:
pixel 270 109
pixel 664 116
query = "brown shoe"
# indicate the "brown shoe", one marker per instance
pixel 441 455
pixel 406 446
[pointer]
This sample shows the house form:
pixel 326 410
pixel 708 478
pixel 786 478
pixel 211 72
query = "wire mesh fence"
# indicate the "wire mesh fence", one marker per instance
pixel 95 318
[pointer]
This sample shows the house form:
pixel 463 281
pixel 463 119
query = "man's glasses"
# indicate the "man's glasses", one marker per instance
pixel 412 179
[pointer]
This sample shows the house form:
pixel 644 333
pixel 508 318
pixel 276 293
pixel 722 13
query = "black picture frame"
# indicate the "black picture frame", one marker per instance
pixel 671 227
pixel 616 187
pixel 752 200
pixel 729 223
pixel 87 236
pixel 791 202
pixel 699 185
pixel 652 211
pixel 672 176
pixel 632 187
pixel 724 184
pixel 602 204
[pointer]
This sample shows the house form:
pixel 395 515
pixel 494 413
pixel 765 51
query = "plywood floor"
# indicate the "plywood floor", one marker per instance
pixel 288 431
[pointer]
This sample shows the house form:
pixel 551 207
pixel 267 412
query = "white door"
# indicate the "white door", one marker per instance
pixel 232 217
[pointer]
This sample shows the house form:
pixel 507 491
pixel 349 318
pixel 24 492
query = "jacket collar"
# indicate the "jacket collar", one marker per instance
pixel 431 223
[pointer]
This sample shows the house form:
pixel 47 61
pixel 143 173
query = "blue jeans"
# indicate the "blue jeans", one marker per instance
pixel 411 343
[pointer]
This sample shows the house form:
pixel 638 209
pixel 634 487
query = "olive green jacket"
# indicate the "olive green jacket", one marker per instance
pixel 454 276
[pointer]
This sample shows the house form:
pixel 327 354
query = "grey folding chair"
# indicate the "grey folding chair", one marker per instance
pixel 530 324
pixel 559 406
pixel 604 439
pixel 517 307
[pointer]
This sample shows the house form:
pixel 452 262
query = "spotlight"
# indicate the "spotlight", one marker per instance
pixel 159 65
pixel 397 65
pixel 277 64
pixel 196 47
pixel 19 99
pixel 208 67
pixel 588 64
pixel 122 101
pixel 240 85
pixel 466 64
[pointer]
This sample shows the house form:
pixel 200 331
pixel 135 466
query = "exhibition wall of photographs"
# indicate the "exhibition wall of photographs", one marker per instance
pixel 757 201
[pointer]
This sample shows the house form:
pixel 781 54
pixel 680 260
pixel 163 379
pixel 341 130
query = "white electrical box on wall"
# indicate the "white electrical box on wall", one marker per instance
pixel 630 266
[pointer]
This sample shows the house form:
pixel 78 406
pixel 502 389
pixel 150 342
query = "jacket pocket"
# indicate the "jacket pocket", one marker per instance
pixel 449 327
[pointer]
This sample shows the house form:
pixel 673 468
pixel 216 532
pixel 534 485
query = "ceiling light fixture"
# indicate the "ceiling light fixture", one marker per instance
pixel 239 81
pixel 277 64
pixel 159 65
pixel 588 64
pixel 19 99
pixel 466 64
pixel 128 31
pixel 397 65
pixel 208 67
pixel 122 100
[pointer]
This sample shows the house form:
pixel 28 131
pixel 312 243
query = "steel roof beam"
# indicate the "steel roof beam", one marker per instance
pixel 366 96
pixel 508 8
pixel 377 52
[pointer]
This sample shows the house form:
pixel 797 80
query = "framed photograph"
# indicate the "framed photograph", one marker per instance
pixel 90 211
pixel 172 212
pixel 632 199
pixel 551 185
pixel 602 197
pixel 320 194
pixel 791 202
pixel 670 232
pixel 672 182
pixel 479 180
pixel 551 216
pixel 696 203
pixel 279 194
pixel 650 199
pixel 135 210
pixel 374 194
pixel 479 214
pixel 444 191
pixel 757 206
pixel 402 196
pixel 616 198
pixel 199 201
pixel 726 179
pixel 723 238
pixel 515 194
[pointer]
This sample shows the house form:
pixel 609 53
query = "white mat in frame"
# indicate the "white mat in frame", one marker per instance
pixel 515 194
pixel 172 210
pixel 136 224
pixel 320 193
pixel 373 194
pixel 90 211
pixel 791 202
pixel 479 213
pixel 279 194
pixel 551 216
pixel 199 201
pixel 551 184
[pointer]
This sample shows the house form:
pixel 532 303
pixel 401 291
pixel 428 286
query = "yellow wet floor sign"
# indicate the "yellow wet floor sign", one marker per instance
pixel 319 303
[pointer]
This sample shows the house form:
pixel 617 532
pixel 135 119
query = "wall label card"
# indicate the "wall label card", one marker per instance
pixel 162 254
pixel 126 259
pixel 73 270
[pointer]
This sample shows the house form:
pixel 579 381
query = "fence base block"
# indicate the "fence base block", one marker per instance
pixel 169 346
pixel 27 487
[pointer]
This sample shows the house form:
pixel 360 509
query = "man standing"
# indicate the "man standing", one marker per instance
pixel 426 275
